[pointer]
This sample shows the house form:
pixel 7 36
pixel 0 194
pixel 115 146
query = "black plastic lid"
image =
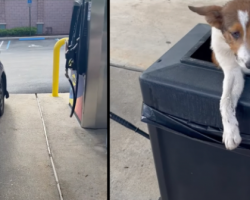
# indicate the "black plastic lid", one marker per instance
pixel 185 84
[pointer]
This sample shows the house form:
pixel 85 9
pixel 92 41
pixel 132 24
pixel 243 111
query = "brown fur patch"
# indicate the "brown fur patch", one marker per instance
pixel 248 33
pixel 233 43
pixel 230 11
pixel 226 19
pixel 236 27
pixel 212 14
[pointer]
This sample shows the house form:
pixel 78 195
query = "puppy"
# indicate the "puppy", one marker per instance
pixel 230 43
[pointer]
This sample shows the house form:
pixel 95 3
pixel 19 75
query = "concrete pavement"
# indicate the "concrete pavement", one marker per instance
pixel 142 31
pixel 132 172
pixel 79 155
pixel 25 171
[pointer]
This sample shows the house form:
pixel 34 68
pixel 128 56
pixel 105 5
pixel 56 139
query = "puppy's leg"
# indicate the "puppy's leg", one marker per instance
pixel 233 84
pixel 237 86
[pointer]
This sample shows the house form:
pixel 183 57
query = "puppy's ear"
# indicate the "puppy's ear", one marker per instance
pixel 212 14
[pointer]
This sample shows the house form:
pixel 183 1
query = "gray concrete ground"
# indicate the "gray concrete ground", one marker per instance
pixel 131 162
pixel 25 171
pixel 141 32
pixel 79 155
pixel 29 66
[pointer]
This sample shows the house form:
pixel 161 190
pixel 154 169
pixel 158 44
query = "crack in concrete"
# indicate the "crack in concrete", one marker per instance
pixel 49 150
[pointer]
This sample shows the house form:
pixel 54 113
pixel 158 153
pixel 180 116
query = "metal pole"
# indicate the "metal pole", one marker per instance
pixel 56 66
pixel 30 18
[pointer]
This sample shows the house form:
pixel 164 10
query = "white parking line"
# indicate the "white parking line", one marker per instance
pixel 8 45
pixel 33 45
pixel 1 44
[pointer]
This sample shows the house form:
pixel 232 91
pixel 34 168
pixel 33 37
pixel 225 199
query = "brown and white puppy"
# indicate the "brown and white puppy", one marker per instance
pixel 230 42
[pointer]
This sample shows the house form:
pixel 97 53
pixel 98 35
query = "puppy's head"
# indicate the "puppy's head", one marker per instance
pixel 233 19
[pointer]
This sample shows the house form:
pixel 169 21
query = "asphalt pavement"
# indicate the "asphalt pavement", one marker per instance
pixel 29 65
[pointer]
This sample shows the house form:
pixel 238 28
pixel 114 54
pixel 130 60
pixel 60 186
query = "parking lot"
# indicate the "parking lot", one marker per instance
pixel 29 65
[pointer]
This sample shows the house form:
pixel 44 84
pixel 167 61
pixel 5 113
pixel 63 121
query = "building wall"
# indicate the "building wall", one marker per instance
pixel 57 14
pixel 46 13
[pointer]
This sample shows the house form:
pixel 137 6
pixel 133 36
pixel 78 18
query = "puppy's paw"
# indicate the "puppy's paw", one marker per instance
pixel 232 138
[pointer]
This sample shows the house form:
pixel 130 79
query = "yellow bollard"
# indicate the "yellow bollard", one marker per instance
pixel 56 66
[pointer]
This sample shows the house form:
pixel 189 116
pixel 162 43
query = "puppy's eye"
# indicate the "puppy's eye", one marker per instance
pixel 236 35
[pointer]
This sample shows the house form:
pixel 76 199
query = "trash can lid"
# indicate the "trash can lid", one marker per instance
pixel 188 88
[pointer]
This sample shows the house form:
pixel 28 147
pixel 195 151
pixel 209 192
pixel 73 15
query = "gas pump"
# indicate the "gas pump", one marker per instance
pixel 76 60
pixel 87 96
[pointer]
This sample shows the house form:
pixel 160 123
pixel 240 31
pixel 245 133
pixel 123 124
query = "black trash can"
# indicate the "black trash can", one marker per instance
pixel 181 94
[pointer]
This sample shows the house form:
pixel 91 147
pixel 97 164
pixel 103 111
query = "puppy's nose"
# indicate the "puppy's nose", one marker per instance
pixel 248 64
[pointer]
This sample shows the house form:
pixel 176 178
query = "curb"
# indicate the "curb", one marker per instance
pixel 28 39
pixel 33 38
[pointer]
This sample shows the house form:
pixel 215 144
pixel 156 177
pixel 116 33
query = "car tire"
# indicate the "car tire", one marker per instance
pixel 1 98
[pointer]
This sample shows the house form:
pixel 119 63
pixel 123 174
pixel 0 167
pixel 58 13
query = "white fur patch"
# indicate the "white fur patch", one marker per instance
pixel 243 55
pixel 243 18
pixel 243 52
pixel 232 86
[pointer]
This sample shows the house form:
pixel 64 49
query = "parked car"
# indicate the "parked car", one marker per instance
pixel 3 88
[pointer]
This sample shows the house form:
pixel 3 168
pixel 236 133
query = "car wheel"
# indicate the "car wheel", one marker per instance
pixel 1 98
